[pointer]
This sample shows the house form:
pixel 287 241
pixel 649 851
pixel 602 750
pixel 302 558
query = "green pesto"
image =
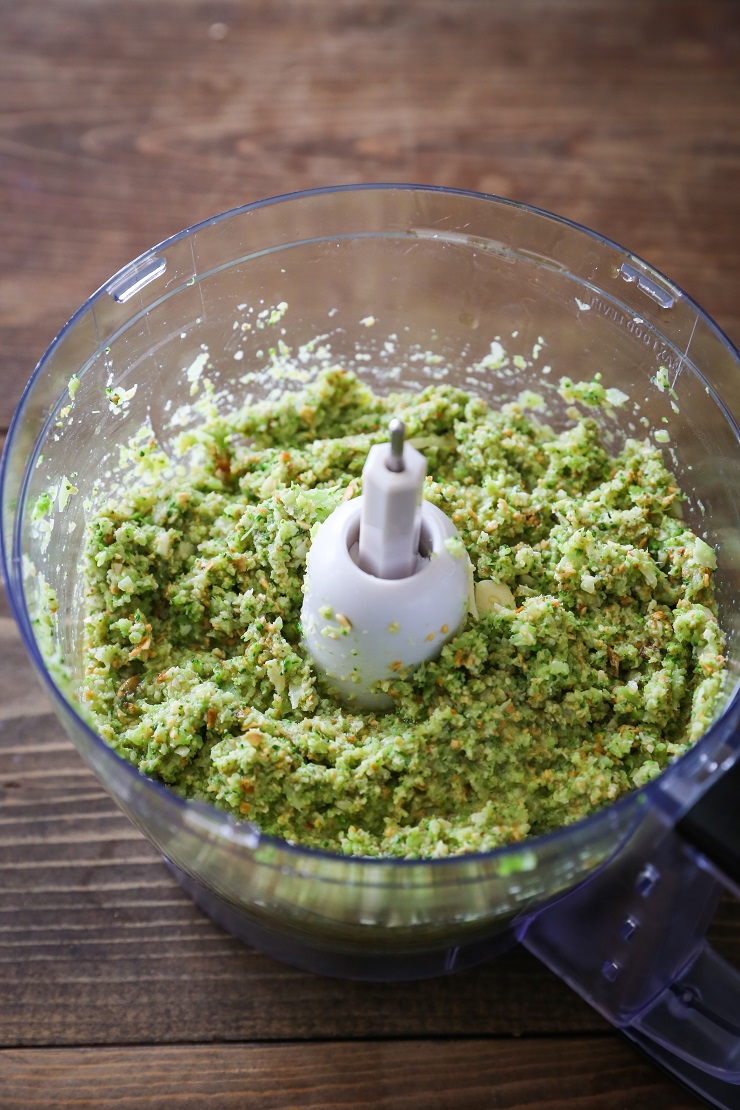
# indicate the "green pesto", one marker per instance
pixel 592 658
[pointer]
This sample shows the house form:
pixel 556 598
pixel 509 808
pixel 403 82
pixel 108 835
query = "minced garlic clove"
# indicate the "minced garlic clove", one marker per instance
pixel 489 593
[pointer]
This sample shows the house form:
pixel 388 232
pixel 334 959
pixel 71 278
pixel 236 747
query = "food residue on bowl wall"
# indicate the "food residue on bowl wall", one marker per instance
pixel 590 659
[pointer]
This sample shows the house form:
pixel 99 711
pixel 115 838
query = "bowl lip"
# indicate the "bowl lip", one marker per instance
pixel 222 821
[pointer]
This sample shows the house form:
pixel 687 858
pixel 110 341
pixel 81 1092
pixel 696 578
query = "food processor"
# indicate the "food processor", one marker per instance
pixel 408 286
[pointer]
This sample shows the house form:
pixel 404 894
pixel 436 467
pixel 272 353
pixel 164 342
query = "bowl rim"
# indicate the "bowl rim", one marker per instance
pixel 720 731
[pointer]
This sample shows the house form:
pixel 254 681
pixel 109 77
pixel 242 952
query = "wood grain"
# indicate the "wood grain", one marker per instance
pixel 600 1073
pixel 121 123
pixel 98 944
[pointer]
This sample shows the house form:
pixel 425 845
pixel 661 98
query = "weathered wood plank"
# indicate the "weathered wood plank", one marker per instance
pixel 122 123
pixel 20 692
pixel 600 1073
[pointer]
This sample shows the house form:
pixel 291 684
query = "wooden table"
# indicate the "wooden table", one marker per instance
pixel 122 122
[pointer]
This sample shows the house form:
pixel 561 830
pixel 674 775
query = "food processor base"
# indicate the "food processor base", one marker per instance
pixel 306 955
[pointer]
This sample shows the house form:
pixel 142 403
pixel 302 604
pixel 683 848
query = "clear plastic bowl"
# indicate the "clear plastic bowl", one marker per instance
pixel 444 273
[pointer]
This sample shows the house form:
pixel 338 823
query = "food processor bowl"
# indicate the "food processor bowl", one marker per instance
pixel 406 286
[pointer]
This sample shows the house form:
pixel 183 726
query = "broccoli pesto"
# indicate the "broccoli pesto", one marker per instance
pixel 591 656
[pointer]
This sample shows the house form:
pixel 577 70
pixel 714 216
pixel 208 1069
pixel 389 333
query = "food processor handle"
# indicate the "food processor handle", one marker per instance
pixel 712 825
pixel 698 1017
pixel 632 941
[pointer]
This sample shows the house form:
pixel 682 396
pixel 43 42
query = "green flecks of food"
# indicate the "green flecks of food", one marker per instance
pixel 590 393
pixel 591 656
pixel 455 547
pixel 616 397
pixel 276 314
pixel 195 370
pixel 42 505
pixel 118 397
pixel 662 380
pixel 64 492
